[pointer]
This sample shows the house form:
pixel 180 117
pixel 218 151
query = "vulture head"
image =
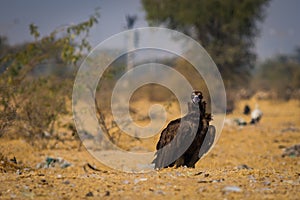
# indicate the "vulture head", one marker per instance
pixel 196 97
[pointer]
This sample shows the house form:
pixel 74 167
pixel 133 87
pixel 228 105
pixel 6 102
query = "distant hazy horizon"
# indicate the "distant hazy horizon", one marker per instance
pixel 279 32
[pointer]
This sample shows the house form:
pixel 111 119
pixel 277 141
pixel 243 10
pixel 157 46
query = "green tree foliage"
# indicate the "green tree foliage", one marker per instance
pixel 225 28
pixel 33 103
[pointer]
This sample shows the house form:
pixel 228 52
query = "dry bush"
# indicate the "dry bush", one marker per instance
pixel 7 109
pixel 7 165
pixel 41 102
pixel 31 110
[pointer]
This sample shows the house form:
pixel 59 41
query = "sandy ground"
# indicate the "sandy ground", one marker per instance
pixel 246 163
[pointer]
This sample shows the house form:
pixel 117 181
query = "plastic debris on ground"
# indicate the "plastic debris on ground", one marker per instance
pixel 51 162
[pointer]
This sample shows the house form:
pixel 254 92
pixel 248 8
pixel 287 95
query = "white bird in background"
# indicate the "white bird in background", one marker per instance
pixel 256 115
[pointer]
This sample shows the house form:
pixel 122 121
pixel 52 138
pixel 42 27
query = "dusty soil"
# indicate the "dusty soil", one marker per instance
pixel 246 163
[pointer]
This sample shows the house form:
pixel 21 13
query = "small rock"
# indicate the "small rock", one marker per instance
pixel 267 183
pixel 18 172
pixel 218 180
pixel 160 192
pixel 290 129
pixel 26 169
pixel 243 166
pixel 107 193
pixel 232 189
pixel 66 182
pixel 264 189
pixel 178 174
pixel 65 165
pixel 252 178
pixel 139 180
pixel 202 189
pixel 89 194
pixel 293 151
pixel 288 181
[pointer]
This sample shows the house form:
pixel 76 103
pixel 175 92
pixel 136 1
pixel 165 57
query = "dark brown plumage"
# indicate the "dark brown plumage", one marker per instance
pixel 185 140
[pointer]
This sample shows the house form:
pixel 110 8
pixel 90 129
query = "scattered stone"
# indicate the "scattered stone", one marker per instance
pixel 293 151
pixel 13 196
pixel 59 176
pixel 89 194
pixel 290 129
pixel 67 182
pixel 160 192
pixel 218 180
pixel 178 174
pixel 252 178
pixel 267 183
pixel 28 194
pixel 243 166
pixel 107 193
pixel 139 180
pixel 264 189
pixel 288 181
pixel 202 189
pixel 281 146
pixel 43 180
pixel 26 169
pixel 232 189
pixel 211 181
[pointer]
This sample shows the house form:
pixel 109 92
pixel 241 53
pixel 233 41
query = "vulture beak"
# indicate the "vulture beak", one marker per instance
pixel 195 99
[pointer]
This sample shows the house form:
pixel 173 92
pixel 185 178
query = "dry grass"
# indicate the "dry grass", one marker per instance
pixel 259 147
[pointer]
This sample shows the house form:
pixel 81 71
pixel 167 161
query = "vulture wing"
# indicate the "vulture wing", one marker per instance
pixel 208 141
pixel 175 139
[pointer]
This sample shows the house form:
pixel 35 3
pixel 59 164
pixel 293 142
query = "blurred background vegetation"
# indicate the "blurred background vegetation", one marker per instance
pixel 36 78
